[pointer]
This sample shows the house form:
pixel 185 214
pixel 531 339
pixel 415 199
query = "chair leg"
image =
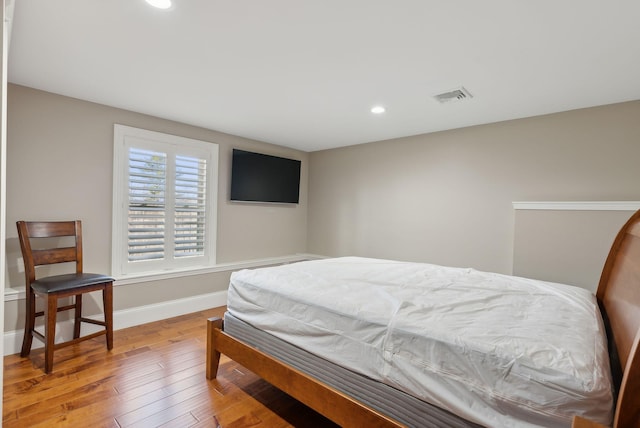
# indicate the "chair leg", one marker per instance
pixel 78 316
pixel 29 324
pixel 107 304
pixel 50 313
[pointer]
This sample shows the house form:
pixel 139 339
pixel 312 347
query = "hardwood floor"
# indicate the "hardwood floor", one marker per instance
pixel 154 376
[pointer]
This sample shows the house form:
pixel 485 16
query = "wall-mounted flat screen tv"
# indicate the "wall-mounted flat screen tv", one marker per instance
pixel 257 177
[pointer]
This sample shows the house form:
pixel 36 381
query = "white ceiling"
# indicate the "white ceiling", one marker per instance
pixel 304 74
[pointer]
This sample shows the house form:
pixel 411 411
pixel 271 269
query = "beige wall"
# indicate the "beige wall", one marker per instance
pixel 568 246
pixel 447 197
pixel 60 159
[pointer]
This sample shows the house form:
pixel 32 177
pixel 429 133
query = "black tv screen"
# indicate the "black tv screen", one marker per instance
pixel 256 177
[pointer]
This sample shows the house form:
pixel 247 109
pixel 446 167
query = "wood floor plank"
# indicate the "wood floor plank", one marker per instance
pixel 163 404
pixel 180 422
pixel 154 376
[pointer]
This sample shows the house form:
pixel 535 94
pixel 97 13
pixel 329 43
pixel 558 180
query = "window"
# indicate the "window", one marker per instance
pixel 164 203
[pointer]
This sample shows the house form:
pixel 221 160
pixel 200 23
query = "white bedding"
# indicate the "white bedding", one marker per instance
pixel 497 350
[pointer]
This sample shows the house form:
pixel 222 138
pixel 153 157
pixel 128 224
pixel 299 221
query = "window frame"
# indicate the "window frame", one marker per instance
pixel 126 137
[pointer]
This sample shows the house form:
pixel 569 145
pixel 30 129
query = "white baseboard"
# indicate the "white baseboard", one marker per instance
pixel 126 318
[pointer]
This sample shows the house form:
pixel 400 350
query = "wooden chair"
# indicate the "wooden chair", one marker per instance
pixel 55 287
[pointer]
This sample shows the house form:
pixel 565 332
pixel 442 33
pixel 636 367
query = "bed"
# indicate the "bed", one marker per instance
pixel 413 344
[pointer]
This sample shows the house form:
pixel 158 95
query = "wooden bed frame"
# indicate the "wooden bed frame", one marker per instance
pixel 619 298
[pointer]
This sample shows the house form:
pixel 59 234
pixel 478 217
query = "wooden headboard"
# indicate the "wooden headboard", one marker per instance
pixel 619 298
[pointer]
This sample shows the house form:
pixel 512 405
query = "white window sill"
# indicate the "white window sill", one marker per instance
pixel 578 205
pixel 11 293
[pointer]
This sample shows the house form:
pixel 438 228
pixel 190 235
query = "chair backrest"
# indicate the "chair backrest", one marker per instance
pixel 28 230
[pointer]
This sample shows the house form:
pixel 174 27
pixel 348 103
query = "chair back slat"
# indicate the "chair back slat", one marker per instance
pixel 54 255
pixel 50 229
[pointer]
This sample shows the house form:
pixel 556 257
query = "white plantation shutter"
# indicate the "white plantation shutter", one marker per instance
pixel 190 198
pixel 164 194
pixel 147 204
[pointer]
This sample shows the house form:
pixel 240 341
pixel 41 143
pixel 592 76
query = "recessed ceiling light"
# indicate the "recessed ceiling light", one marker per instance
pixel 378 109
pixel 160 4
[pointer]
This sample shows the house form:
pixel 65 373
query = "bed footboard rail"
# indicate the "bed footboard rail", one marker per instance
pixel 321 397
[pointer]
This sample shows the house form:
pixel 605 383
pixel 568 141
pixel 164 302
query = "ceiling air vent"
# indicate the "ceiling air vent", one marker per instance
pixel 454 95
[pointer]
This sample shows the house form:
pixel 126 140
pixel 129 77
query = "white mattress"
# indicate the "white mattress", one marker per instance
pixel 410 411
pixel 497 350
